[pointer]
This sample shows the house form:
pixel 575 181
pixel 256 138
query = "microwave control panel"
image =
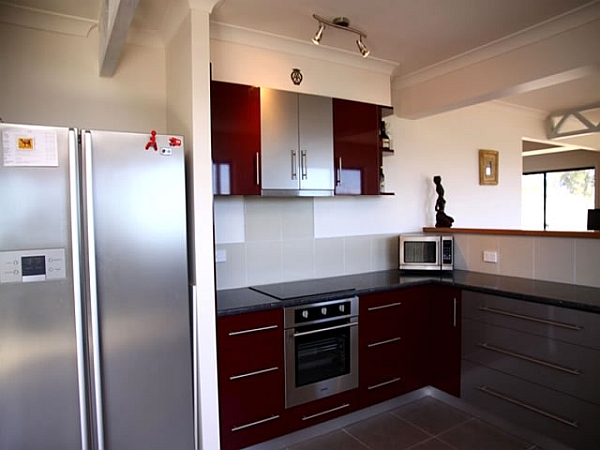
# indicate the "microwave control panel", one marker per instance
pixel 27 266
pixel 446 251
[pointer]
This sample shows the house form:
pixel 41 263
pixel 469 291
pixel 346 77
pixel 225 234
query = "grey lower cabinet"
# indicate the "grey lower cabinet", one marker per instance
pixel 296 144
pixel 536 365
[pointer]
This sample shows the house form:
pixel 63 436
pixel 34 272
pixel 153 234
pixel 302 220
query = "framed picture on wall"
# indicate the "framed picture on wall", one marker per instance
pixel 488 167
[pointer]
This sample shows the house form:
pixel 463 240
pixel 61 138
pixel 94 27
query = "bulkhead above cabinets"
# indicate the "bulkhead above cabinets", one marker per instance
pixel 277 143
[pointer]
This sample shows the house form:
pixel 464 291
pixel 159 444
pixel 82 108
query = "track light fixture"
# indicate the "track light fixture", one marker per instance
pixel 319 34
pixel 342 23
pixel 362 48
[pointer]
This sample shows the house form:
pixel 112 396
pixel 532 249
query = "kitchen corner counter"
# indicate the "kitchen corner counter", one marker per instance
pixel 244 300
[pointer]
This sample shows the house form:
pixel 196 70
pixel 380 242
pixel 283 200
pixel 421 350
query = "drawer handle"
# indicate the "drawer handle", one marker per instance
pixel 568 326
pixel 390 305
pixel 258 422
pixel 389 341
pixel 253 330
pixel 250 374
pixel 322 413
pixel 529 358
pixel 385 383
pixel 508 399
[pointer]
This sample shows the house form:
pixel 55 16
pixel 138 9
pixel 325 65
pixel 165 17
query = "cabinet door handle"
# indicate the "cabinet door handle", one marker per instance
pixel 258 422
pixel 304 164
pixel 389 305
pixel 253 330
pixel 501 312
pixel 250 374
pixel 385 383
pixel 454 319
pixel 339 172
pixel 529 358
pixel 508 399
pixel 389 341
pixel 257 168
pixel 294 165
pixel 322 413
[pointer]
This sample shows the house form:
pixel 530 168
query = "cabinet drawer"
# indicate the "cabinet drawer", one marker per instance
pixel 380 364
pixel 253 331
pixel 381 375
pixel 243 400
pixel 263 429
pixel 529 405
pixel 565 367
pixel 569 325
pixel 381 317
pixel 245 363
pixel 328 408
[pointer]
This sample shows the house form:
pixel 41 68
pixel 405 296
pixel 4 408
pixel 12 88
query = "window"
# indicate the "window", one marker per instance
pixel 557 200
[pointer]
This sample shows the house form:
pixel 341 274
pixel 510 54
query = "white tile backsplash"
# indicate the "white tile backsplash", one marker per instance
pixel 587 262
pixel 280 245
pixel 515 257
pixel 478 243
pixel 554 259
pixel 298 259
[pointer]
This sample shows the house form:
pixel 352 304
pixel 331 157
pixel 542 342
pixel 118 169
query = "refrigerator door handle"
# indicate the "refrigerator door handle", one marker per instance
pixel 93 291
pixel 77 286
pixel 195 337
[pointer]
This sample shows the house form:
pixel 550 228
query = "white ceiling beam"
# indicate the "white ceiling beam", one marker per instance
pixel 564 55
pixel 115 21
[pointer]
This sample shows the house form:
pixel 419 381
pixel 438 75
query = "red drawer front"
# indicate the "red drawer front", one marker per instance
pixel 382 373
pixel 321 410
pixel 252 331
pixel 264 429
pixel 245 361
pixel 246 402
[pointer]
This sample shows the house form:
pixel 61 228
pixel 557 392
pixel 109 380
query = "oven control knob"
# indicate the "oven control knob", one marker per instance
pixel 324 311
pixel 305 314
pixel 342 308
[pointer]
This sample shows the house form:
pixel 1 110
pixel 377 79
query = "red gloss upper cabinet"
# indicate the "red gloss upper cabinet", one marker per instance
pixel 235 120
pixel 357 158
pixel 446 338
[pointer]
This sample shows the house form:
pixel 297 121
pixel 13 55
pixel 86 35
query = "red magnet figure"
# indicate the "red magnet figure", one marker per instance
pixel 152 141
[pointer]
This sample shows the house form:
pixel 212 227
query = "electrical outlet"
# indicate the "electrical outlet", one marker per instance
pixel 490 256
pixel 221 256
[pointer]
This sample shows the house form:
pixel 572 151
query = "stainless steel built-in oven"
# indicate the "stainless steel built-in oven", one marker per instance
pixel 321 350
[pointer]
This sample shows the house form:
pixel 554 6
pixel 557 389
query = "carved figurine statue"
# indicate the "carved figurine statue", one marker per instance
pixel 442 220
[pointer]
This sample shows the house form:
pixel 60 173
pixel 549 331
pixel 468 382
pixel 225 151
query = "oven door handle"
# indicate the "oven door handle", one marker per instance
pixel 320 330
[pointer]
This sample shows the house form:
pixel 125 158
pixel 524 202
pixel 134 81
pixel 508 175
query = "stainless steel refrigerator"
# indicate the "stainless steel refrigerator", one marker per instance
pixel 95 331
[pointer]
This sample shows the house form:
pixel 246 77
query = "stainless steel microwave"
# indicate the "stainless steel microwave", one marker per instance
pixel 426 252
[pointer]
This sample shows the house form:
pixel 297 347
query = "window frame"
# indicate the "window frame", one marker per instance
pixel 545 173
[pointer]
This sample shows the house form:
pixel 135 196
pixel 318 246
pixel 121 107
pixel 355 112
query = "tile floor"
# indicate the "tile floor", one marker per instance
pixel 425 424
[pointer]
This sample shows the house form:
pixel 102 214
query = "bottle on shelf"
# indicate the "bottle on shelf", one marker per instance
pixel 381 180
pixel 384 139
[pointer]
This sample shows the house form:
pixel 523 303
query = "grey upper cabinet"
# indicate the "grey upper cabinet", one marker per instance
pixel 297 144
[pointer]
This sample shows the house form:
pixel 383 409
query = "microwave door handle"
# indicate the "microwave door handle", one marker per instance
pixel 321 330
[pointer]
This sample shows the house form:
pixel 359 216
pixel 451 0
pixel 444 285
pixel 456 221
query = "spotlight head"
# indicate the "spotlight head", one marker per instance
pixel 319 34
pixel 362 48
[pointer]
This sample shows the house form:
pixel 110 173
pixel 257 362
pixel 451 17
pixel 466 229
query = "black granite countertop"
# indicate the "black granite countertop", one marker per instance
pixel 256 298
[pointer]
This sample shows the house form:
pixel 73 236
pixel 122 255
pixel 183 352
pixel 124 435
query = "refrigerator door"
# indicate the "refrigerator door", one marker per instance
pixel 136 204
pixel 40 317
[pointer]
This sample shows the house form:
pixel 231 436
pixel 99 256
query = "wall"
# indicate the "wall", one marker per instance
pixel 576 159
pixel 258 59
pixel 561 260
pixel 188 112
pixel 50 78
pixel 270 240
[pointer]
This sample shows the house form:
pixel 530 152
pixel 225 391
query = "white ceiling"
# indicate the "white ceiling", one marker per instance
pixel 414 33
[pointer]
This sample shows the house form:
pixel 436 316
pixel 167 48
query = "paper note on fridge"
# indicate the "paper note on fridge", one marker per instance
pixel 33 148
